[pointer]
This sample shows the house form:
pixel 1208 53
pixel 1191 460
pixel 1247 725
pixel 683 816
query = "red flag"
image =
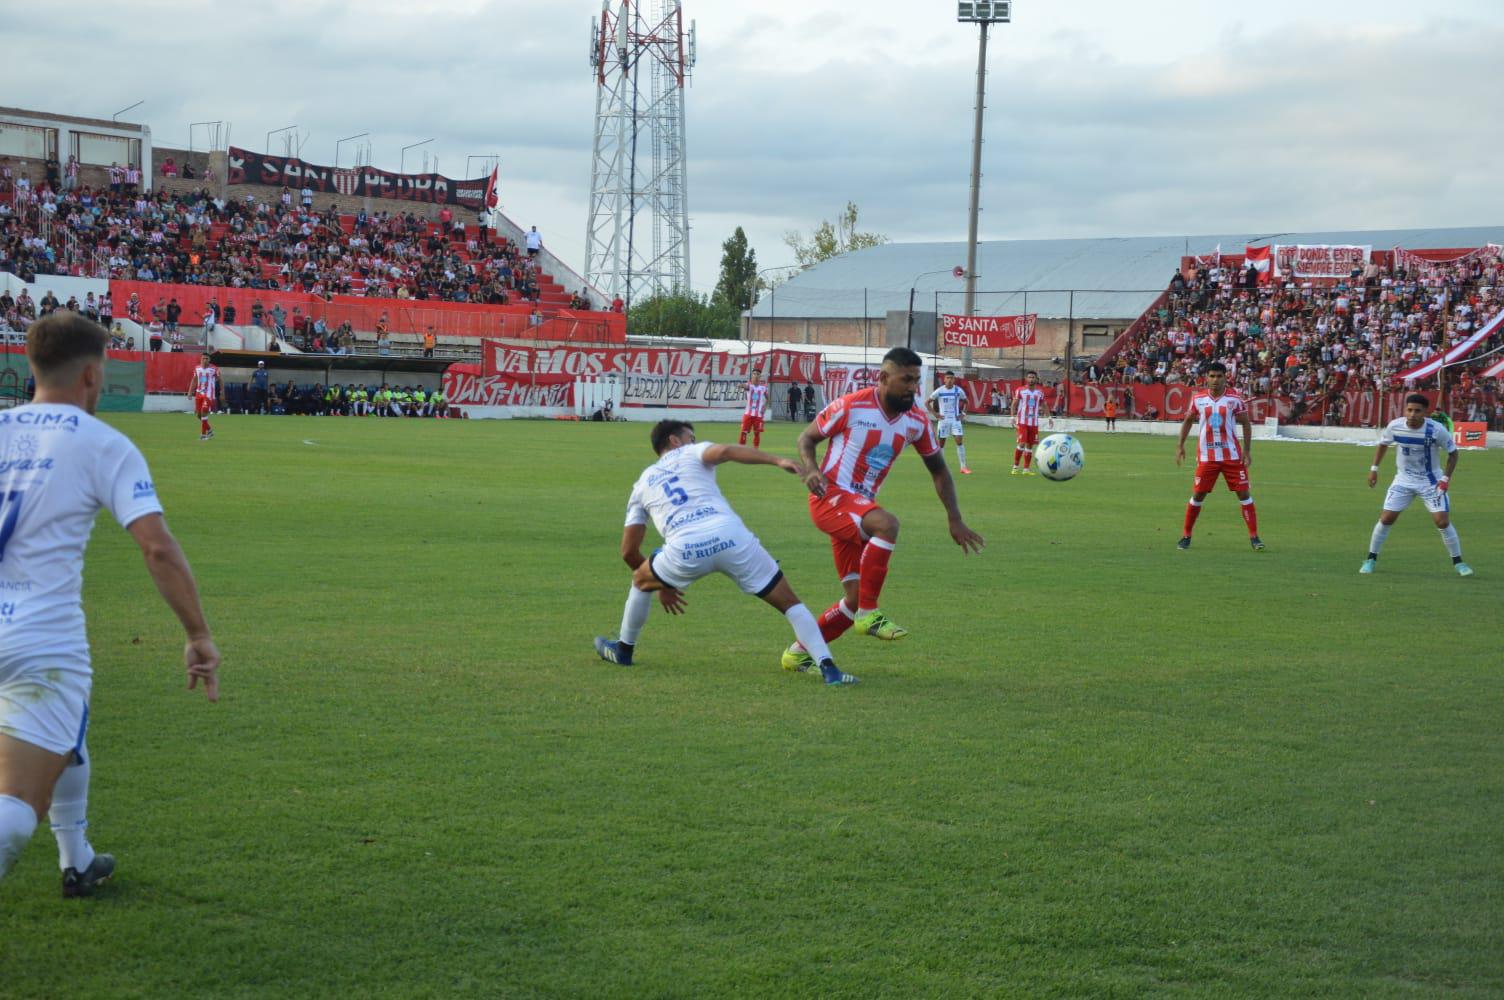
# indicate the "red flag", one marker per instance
pixel 1261 259
pixel 492 200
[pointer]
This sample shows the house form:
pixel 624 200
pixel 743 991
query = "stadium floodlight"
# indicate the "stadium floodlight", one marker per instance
pixel 275 131
pixel 984 11
pixel 913 285
pixel 403 168
pixel 981 13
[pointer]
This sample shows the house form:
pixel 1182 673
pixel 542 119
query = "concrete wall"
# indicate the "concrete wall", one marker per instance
pixel 1051 336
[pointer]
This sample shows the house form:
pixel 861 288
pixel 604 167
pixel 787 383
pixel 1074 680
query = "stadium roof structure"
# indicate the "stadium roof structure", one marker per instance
pixel 1116 278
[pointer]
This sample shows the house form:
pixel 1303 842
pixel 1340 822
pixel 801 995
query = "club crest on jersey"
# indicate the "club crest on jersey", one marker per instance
pixel 880 457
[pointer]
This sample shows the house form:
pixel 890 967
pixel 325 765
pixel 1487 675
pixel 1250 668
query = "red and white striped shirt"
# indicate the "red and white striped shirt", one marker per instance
pixel 1026 406
pixel 757 400
pixel 864 441
pixel 1219 426
pixel 206 381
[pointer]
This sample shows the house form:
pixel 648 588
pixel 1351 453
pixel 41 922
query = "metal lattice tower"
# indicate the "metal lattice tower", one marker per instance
pixel 637 236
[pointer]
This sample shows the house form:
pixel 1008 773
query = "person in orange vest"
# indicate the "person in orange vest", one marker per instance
pixel 1110 411
pixel 429 340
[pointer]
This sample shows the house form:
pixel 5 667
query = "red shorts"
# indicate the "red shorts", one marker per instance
pixel 1028 434
pixel 202 405
pixel 751 423
pixel 1235 474
pixel 839 514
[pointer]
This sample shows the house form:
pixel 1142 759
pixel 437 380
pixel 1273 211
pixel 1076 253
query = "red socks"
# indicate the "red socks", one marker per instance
pixel 1250 517
pixel 835 621
pixel 1192 511
pixel 203 425
pixel 874 570
pixel 1028 457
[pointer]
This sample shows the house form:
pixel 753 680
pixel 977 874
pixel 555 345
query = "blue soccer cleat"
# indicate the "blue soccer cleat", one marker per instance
pixel 1369 565
pixel 1463 569
pixel 834 675
pixel 614 651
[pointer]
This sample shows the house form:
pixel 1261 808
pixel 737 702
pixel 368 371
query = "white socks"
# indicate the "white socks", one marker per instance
pixel 635 616
pixel 17 821
pixel 961 453
pixel 69 816
pixel 807 631
pixel 1380 532
pixel 1452 542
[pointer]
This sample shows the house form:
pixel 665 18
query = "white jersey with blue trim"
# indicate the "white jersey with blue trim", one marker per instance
pixel 58 467
pixel 680 494
pixel 949 400
pixel 1417 456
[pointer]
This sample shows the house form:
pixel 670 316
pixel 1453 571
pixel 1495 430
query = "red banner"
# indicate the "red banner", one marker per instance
pixel 1354 408
pixel 498 358
pixel 988 332
pixel 464 385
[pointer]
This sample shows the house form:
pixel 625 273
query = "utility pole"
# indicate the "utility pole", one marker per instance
pixel 982 13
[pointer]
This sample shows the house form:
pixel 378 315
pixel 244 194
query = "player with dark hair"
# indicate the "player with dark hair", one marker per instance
pixel 58 467
pixel 948 404
pixel 701 535
pixel 1028 401
pixel 866 431
pixel 756 410
pixel 1419 440
pixel 1220 454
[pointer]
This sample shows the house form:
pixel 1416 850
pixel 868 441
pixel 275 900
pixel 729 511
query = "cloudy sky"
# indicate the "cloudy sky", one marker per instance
pixel 1104 118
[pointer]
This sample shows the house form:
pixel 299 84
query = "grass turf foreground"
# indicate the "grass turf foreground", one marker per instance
pixel 1099 766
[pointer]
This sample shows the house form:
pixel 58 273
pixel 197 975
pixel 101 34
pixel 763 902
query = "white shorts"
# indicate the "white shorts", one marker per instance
pixel 945 428
pixel 1401 492
pixel 44 701
pixel 736 553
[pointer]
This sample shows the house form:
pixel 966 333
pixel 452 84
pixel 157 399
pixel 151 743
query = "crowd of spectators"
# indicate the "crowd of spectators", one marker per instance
pixel 1309 340
pixel 284 244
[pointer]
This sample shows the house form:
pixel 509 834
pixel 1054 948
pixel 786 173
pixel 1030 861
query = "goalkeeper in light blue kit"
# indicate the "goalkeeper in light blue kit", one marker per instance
pixel 1418 441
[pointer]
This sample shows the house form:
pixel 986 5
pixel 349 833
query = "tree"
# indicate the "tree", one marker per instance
pixel 832 240
pixel 738 284
pixel 684 314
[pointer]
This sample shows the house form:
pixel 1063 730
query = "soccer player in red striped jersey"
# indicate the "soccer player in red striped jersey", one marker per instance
pixel 866 430
pixel 757 408
pixel 1221 414
pixel 205 394
pixel 1028 401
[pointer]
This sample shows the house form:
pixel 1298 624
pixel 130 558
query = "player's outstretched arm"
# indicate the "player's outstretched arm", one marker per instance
pixel 945 489
pixel 1185 428
pixel 743 455
pixel 174 579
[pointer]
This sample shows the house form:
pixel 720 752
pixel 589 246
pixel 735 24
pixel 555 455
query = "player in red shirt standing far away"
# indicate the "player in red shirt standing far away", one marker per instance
pixel 205 393
pixel 1028 400
pixel 866 431
pixel 757 408
pixel 1219 453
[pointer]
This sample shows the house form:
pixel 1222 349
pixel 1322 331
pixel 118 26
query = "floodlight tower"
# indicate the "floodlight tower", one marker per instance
pixel 642 55
pixel 981 13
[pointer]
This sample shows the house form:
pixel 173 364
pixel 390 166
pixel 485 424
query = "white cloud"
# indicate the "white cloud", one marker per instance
pixel 1103 118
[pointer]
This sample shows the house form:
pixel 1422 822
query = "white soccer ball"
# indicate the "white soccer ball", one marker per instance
pixel 1059 457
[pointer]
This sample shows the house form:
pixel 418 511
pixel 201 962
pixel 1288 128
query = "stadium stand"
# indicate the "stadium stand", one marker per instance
pixel 1311 340
pixel 360 274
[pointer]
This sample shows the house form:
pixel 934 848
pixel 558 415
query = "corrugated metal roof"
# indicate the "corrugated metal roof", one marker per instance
pixel 1130 270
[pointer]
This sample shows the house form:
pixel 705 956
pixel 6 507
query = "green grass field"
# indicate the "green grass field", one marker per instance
pixel 1098 767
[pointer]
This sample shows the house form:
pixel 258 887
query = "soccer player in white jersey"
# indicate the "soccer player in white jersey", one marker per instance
pixel 1418 441
pixel 1220 413
pixel 866 431
pixel 58 467
pixel 948 404
pixel 205 395
pixel 701 535
pixel 1028 400
pixel 757 408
